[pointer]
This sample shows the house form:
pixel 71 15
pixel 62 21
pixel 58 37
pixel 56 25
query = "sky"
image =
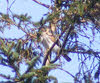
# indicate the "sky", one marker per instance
pixel 36 11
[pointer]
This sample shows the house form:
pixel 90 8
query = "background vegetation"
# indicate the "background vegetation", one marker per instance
pixel 77 25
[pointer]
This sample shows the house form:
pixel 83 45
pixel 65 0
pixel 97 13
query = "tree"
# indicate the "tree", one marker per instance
pixel 68 21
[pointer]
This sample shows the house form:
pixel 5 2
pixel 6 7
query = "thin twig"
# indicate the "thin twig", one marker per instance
pixel 85 52
pixel 45 5
pixel 12 4
pixel 69 74
pixel 6 77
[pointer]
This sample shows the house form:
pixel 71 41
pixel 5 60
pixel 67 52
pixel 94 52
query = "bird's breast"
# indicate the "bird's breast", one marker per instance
pixel 48 43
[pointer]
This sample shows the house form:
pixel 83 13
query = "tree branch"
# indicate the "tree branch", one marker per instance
pixel 63 46
pixel 69 74
pixel 45 5
pixel 6 77
pixel 85 52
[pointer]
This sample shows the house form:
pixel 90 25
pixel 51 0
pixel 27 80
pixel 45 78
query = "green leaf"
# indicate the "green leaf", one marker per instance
pixel 30 74
pixel 80 9
pixel 18 46
pixel 11 46
pixel 15 55
pixel 33 61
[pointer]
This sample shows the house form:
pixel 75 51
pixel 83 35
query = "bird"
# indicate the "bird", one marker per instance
pixel 48 39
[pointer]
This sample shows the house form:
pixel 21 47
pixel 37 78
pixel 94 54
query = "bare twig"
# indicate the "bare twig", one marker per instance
pixel 45 5
pixel 12 4
pixel 85 52
pixel 69 74
pixel 6 77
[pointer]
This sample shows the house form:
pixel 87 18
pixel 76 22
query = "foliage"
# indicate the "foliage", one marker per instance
pixel 70 21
